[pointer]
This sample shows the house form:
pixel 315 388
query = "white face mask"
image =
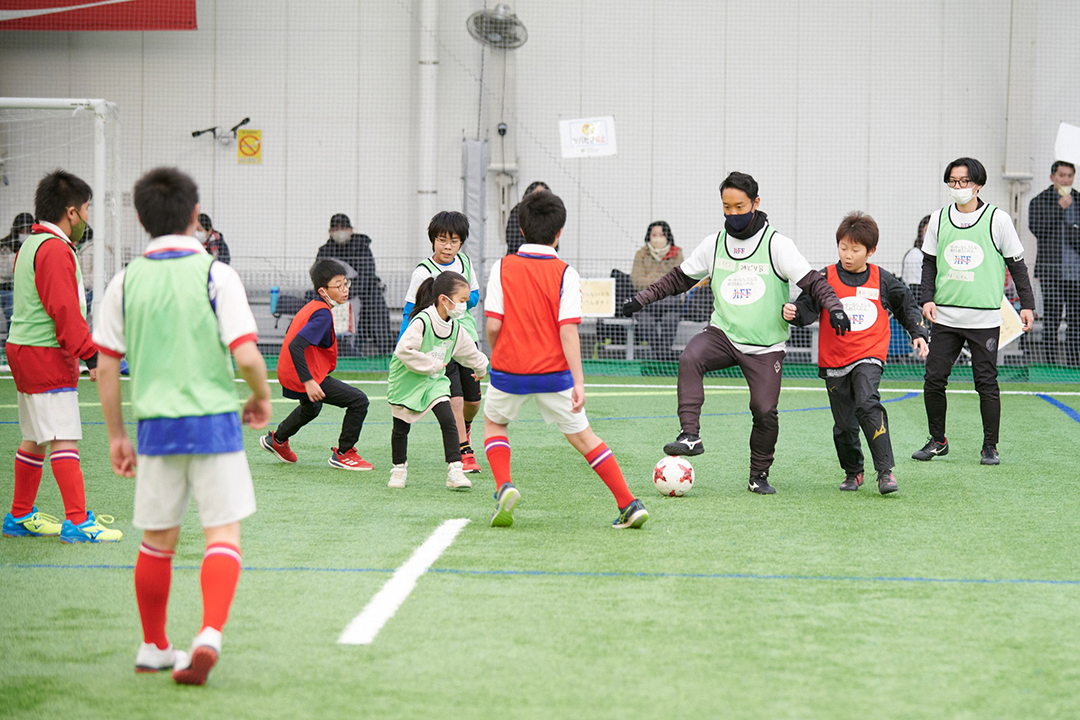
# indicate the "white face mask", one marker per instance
pixel 962 196
pixel 333 303
pixel 458 311
pixel 23 236
pixel 200 235
pixel 341 236
pixel 1064 190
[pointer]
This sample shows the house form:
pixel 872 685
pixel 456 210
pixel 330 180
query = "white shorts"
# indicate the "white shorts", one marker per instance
pixel 503 407
pixel 44 417
pixel 164 485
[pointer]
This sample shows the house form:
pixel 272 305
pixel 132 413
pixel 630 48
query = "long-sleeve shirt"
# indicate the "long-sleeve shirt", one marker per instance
pixel 894 294
pixel 45 369
pixel 318 331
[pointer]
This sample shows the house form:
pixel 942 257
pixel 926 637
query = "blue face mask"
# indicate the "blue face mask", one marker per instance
pixel 738 223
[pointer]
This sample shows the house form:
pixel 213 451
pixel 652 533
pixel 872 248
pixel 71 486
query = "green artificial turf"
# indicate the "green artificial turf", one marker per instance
pixel 958 596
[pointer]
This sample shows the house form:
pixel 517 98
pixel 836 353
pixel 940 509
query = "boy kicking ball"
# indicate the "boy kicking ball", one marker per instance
pixel 177 313
pixel 851 364
pixel 533 309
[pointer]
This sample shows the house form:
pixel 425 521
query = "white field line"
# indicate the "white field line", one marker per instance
pixel 365 626
pixel 743 388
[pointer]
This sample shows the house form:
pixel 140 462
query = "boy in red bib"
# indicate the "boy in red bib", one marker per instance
pixel 851 364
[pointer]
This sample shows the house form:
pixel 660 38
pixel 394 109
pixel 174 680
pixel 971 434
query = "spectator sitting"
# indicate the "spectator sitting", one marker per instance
pixel 911 269
pixel 354 249
pixel 212 240
pixel 9 245
pixel 514 238
pixel 658 322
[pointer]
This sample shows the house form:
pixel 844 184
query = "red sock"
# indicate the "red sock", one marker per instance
pixel 68 474
pixel 220 573
pixel 498 457
pixel 603 462
pixel 153 576
pixel 27 479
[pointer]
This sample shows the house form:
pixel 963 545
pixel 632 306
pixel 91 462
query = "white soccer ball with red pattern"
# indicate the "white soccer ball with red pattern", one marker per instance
pixel 673 476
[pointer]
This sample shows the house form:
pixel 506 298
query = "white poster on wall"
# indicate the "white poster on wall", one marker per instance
pixel 588 137
pixel 1067 146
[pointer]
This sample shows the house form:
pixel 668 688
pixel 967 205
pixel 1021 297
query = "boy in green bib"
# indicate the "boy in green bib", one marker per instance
pixel 434 337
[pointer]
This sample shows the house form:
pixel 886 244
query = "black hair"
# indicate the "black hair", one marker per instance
pixel 663 226
pixel 858 227
pixel 164 199
pixel 22 220
pixel 922 231
pixel 448 222
pixel 429 291
pixel 975 169
pixel 535 184
pixel 58 191
pixel 1059 163
pixel 204 220
pixel 541 216
pixel 323 271
pixel 741 181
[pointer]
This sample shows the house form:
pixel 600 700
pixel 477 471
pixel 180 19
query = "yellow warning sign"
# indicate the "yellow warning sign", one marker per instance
pixel 249 147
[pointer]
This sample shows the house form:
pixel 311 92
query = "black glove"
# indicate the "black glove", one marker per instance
pixel 840 322
pixel 630 307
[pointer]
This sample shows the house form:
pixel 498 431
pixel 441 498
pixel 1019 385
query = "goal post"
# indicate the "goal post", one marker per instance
pixel 80 135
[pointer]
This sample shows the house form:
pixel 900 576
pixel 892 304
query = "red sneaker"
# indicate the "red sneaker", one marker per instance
pixel 468 463
pixel 282 451
pixel 348 461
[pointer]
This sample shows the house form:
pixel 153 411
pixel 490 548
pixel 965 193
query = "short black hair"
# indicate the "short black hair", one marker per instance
pixel 858 227
pixel 541 216
pixel 58 191
pixel 975 169
pixel 205 221
pixel 535 184
pixel 323 271
pixel 741 181
pixel 448 222
pixel 164 199
pixel 663 226
pixel 1059 163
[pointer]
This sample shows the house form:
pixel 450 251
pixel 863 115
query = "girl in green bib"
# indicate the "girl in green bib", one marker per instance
pixel 433 337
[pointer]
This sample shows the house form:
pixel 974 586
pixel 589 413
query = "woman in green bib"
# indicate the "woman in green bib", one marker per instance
pixel 749 265
pixel 418 383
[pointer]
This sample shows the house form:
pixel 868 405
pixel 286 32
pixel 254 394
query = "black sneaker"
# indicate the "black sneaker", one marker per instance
pixel 633 515
pixel 989 456
pixel 931 450
pixel 759 483
pixel 886 482
pixel 852 481
pixel 685 444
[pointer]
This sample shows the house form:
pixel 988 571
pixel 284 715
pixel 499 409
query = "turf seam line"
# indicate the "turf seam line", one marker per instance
pixel 586 573
pixel 365 626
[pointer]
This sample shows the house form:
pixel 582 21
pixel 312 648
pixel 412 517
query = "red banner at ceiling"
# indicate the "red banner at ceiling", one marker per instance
pixel 78 15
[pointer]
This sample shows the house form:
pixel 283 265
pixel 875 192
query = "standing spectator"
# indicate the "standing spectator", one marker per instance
pixel 355 249
pixel 968 245
pixel 1054 219
pixel 212 240
pixel 514 238
pixel 911 272
pixel 9 245
pixel 658 322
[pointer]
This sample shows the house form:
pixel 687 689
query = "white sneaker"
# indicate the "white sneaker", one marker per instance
pixel 398 475
pixel 152 659
pixel 205 649
pixel 455 478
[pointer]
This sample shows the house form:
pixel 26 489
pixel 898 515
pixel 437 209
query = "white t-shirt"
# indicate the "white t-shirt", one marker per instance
pixel 569 300
pixel 786 259
pixel 1005 239
pixel 911 273
pixel 421 273
pixel 236 324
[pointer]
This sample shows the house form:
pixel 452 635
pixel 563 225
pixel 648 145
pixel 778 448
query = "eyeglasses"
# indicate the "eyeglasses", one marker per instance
pixel 452 242
pixel 960 182
pixel 344 285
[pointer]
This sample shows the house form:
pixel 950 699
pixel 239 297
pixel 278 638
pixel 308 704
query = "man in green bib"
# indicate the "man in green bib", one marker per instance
pixel 749 265
pixel 968 245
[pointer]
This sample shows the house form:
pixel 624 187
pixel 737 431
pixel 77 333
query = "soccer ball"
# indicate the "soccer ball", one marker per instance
pixel 673 476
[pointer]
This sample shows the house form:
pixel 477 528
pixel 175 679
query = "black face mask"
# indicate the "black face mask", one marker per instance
pixel 738 223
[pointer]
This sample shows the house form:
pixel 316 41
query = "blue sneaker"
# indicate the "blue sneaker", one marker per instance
pixel 35 524
pixel 633 515
pixel 124 369
pixel 90 530
pixel 506 500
